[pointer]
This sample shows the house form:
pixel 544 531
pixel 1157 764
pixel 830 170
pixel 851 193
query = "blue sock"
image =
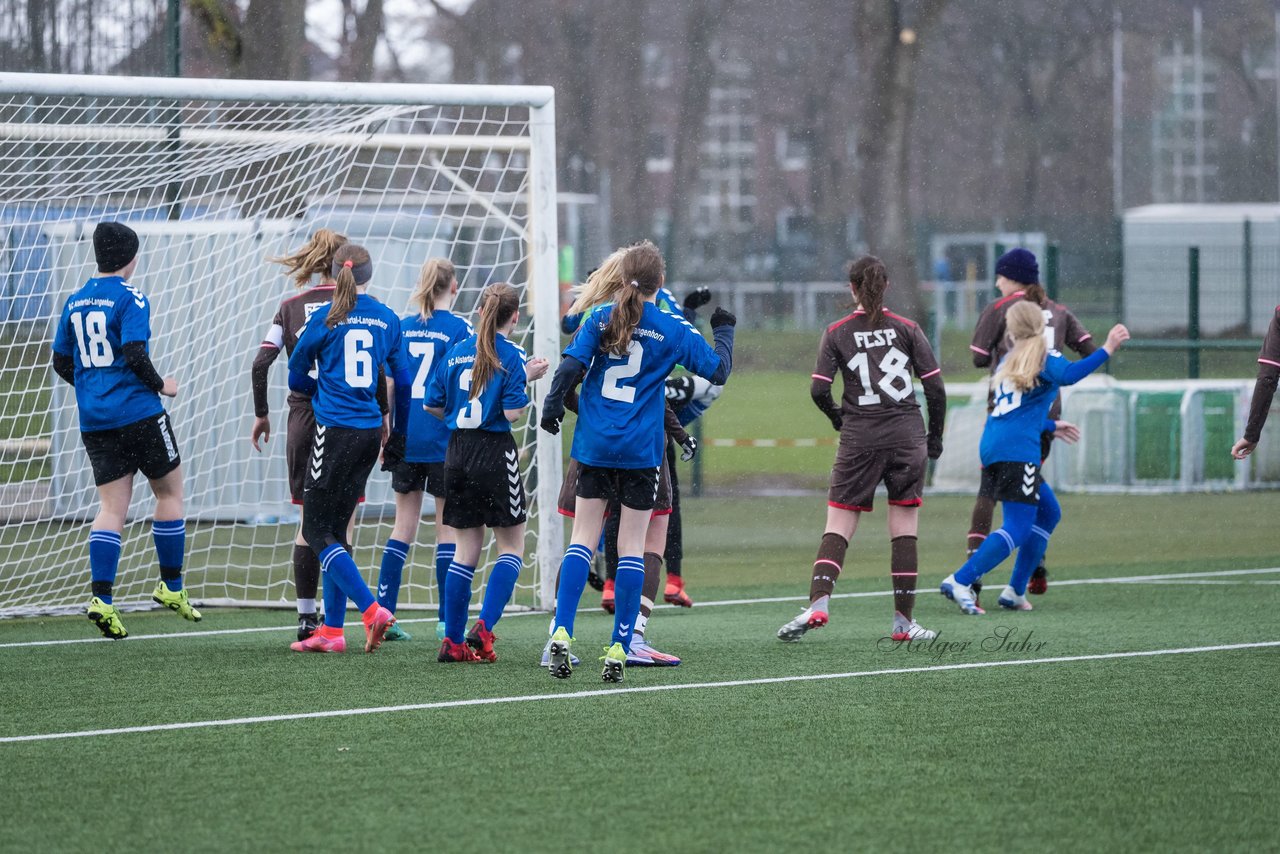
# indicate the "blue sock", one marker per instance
pixel 457 598
pixel 1029 557
pixel 444 557
pixel 573 580
pixel 393 557
pixel 171 543
pixel 627 588
pixel 104 560
pixel 1012 533
pixel 335 605
pixel 340 571
pixel 497 593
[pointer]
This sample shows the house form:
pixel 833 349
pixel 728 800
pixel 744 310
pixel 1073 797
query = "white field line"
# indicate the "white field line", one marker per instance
pixel 765 600
pixel 610 692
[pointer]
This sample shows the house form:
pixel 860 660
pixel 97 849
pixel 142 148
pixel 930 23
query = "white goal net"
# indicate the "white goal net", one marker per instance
pixel 217 176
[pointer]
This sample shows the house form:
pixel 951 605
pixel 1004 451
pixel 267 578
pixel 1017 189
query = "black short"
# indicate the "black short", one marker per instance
pixel 300 435
pixel 482 483
pixel 341 460
pixel 409 477
pixel 147 445
pixel 634 488
pixel 1017 482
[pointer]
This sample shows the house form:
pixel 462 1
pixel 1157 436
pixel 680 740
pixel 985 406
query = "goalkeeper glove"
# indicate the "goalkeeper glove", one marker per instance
pixel 688 448
pixel 697 298
pixel 720 317
pixel 934 446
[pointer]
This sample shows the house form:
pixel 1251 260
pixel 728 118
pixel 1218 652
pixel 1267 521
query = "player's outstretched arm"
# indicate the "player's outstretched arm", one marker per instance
pixel 722 329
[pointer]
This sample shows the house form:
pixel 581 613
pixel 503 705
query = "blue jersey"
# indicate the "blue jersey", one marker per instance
pixel 424 341
pixel 621 405
pixel 1012 432
pixel 450 388
pixel 97 321
pixel 347 359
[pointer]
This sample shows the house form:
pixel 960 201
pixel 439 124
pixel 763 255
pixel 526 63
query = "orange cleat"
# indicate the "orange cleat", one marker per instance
pixel 321 642
pixel 674 593
pixel 451 652
pixel 480 640
pixel 606 597
pixel 375 627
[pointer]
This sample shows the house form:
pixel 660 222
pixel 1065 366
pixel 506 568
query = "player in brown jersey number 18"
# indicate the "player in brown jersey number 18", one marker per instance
pixel 1018 278
pixel 1263 390
pixel 882 440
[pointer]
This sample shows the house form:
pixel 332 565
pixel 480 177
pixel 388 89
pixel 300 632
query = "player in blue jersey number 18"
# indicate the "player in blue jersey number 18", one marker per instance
pixel 1025 387
pixel 101 348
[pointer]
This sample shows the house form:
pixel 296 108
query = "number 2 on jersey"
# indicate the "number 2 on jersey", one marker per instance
pixel 894 366
pixel 91 339
pixel 625 371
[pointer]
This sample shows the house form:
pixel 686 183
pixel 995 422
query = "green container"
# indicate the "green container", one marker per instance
pixel 1158 436
pixel 1219 435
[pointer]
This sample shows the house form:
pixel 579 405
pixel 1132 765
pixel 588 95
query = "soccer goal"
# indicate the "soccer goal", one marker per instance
pixel 216 176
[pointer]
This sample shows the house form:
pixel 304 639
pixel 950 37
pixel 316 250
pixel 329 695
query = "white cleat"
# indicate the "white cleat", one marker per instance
pixel 546 656
pixel 643 655
pixel 808 619
pixel 961 594
pixel 1012 601
pixel 910 630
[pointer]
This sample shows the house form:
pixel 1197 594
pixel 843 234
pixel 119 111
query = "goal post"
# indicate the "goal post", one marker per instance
pixel 216 176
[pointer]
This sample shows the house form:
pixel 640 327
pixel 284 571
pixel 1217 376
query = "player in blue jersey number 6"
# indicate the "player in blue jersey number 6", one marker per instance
pixel 347 340
pixel 626 350
pixel 479 391
pixel 1025 387
pixel 101 349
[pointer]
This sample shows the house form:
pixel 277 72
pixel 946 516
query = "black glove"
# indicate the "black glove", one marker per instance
pixel 697 298
pixel 934 446
pixel 720 317
pixel 551 418
pixel 837 420
pixel 688 448
pixel 393 452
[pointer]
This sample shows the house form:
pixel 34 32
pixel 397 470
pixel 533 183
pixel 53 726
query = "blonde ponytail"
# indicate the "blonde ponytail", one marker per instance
pixel 1025 324
pixel 434 281
pixel 312 259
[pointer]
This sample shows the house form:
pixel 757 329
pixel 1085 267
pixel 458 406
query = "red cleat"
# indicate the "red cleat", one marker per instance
pixel 1039 582
pixel 674 592
pixel 451 652
pixel 375 628
pixel 606 597
pixel 480 640
pixel 320 642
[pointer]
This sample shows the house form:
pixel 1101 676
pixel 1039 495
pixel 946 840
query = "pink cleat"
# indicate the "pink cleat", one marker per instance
pixel 320 642
pixel 375 628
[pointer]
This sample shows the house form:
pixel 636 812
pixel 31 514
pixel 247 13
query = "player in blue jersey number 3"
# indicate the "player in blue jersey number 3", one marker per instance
pixel 101 348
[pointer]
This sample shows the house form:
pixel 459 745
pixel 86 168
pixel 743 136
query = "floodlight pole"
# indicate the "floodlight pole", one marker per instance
pixel 1193 312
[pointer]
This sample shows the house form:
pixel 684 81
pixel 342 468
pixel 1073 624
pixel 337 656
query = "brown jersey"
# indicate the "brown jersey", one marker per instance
pixel 879 405
pixel 1268 374
pixel 990 345
pixel 283 334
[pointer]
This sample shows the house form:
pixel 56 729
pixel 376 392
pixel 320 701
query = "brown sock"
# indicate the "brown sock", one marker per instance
pixel 649 592
pixel 306 572
pixel 984 511
pixel 902 571
pixel 826 568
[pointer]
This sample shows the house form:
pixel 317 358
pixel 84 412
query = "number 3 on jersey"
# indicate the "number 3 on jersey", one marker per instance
pixel 469 416
pixel 893 366
pixel 625 371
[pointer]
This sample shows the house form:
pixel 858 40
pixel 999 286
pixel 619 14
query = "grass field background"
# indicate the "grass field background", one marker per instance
pixel 1156 753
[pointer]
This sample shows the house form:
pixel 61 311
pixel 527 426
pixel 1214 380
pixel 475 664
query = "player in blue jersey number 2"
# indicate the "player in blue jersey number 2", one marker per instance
pixel 626 350
pixel 1025 387
pixel 347 341
pixel 101 348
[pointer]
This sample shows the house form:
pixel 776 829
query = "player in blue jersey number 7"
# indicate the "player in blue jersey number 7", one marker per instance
pixel 347 341
pixel 1025 387
pixel 626 349
pixel 479 391
pixel 101 349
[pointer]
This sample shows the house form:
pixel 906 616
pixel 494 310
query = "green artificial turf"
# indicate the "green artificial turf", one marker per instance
pixel 1152 753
